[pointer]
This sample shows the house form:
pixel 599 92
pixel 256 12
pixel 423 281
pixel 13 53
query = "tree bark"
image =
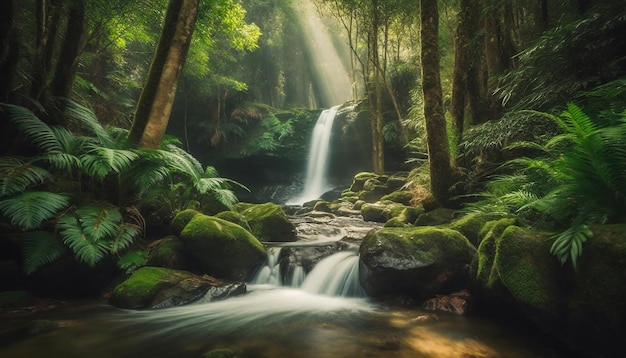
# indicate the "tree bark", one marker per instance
pixel 68 59
pixel 9 48
pixel 156 100
pixel 378 154
pixel 48 17
pixel 438 151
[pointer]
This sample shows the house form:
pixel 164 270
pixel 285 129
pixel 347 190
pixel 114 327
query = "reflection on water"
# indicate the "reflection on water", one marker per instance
pixel 274 322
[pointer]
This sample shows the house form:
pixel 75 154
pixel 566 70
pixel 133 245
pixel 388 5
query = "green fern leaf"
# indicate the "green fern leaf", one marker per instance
pixel 40 248
pixel 37 131
pixel 84 118
pixel 125 237
pixel 99 222
pixel 100 161
pixel 17 175
pixel 85 249
pixel 30 209
pixel 133 260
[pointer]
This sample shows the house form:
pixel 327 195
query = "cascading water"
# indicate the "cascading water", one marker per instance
pixel 336 275
pixel 315 182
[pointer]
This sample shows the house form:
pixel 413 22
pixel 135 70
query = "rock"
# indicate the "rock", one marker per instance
pixel 377 212
pixel 418 262
pixel 156 287
pixel 182 219
pixel 268 222
pixel 399 196
pixel 435 217
pixel 219 353
pixel 471 225
pixel 23 331
pixel 235 218
pixel 221 248
pixel 168 252
pixel 360 179
pixel 323 206
pixel 457 302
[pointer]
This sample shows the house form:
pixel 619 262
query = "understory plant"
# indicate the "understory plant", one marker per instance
pixel 79 188
pixel 579 180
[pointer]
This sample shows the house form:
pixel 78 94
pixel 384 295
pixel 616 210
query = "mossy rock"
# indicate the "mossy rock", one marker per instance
pixel 396 182
pixel 471 225
pixel 268 222
pixel 181 220
pixel 418 262
pixel 235 218
pixel 219 353
pixel 158 287
pixel 597 309
pixel 221 248
pixel 406 214
pixel 435 217
pixel 168 252
pixel 399 196
pixel 323 206
pixel 377 212
pixel 395 222
pixel 360 179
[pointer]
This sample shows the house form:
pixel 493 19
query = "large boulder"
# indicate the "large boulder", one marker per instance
pixel 157 287
pixel 221 248
pixel 515 274
pixel 418 262
pixel 268 221
pixel 168 252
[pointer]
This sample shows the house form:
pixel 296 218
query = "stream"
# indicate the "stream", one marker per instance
pixel 317 313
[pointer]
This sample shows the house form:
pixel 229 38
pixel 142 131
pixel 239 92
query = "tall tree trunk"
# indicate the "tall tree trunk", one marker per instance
pixel 156 100
pixel 438 151
pixel 48 15
pixel 9 48
pixel 378 155
pixel 68 59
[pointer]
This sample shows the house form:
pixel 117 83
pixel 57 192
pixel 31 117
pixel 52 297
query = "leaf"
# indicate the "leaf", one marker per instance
pixel 125 236
pixel 133 260
pixel 17 175
pixel 99 222
pixel 40 248
pixel 36 130
pixel 100 161
pixel 30 209
pixel 85 249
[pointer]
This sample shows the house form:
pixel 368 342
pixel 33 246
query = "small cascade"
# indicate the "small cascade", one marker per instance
pixel 336 275
pixel 315 182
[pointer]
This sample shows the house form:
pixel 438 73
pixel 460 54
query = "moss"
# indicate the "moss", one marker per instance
pixel 395 222
pixel 360 179
pixel 435 217
pixel 527 269
pixel 268 222
pixel 377 212
pixel 220 353
pixel 139 289
pixel 167 252
pixel 235 218
pixel 471 225
pixel 399 196
pixel 181 219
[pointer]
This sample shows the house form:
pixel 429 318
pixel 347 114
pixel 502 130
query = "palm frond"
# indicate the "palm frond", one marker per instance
pixel 17 175
pixel 38 132
pixel 40 248
pixel 30 209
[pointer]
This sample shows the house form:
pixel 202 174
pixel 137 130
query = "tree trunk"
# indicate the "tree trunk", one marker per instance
pixel 68 59
pixel 48 17
pixel 378 156
pixel 156 100
pixel 438 151
pixel 9 48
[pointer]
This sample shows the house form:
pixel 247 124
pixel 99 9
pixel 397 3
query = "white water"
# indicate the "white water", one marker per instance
pixel 315 182
pixel 336 275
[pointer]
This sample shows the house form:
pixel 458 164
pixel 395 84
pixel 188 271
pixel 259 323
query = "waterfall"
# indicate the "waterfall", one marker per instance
pixel 315 182
pixel 336 275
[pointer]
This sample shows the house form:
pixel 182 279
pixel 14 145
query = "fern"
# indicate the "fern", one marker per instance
pixel 133 260
pixel 35 130
pixel 83 118
pixel 85 248
pixel 30 209
pixel 40 248
pixel 17 175
pixel 100 161
pixel 99 222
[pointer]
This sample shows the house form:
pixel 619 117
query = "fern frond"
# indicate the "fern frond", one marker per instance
pixel 100 161
pixel 99 222
pixel 568 245
pixel 133 260
pixel 30 209
pixel 17 175
pixel 40 248
pixel 85 249
pixel 36 130
pixel 125 236
pixel 84 118
pixel 226 197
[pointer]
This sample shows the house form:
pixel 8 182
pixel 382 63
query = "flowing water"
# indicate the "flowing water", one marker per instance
pixel 317 311
pixel 315 181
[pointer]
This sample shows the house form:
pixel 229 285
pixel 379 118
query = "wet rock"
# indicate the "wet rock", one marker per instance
pixel 457 302
pixel 156 287
pixel 268 222
pixel 168 252
pixel 418 262
pixel 222 249
pixel 435 217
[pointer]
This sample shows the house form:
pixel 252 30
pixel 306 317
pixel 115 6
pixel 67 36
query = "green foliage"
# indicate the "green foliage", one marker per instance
pixel 268 135
pixel 88 203
pixel 132 261
pixel 579 180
